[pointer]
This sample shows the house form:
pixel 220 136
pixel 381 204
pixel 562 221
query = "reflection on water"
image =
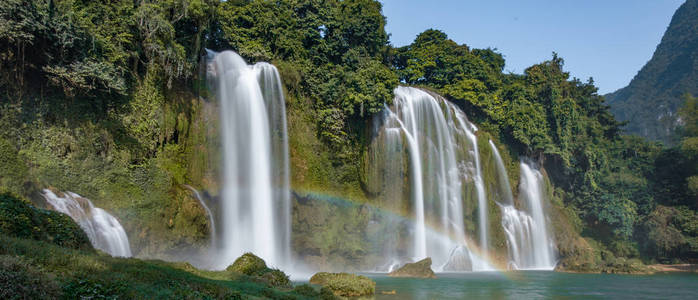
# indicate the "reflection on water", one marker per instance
pixel 539 284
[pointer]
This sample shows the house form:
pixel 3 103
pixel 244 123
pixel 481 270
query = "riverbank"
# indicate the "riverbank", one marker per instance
pixel 675 268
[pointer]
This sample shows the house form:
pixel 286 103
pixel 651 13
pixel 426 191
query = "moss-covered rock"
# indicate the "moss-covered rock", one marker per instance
pixel 248 264
pixel 345 284
pixel 420 269
pixel 275 278
pixel 255 267
pixel 20 219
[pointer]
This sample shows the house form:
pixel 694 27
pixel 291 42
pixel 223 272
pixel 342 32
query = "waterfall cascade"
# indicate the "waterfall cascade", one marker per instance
pixel 255 205
pixel 528 241
pixel 440 147
pixel 104 230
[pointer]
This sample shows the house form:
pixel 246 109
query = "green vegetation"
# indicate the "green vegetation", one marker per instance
pixel 20 219
pixel 107 99
pixel 253 266
pixel 649 104
pixel 44 254
pixel 50 271
pixel 344 284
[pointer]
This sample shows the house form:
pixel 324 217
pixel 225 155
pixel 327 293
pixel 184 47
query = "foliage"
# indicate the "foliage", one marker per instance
pixel 251 265
pixel 102 98
pixel 20 219
pixel 21 280
pixel 80 274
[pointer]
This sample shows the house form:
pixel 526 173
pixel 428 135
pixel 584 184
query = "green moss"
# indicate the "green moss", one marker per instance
pixel 344 284
pixel 255 267
pixel 20 219
pixel 248 264
pixel 275 278
pixel 85 274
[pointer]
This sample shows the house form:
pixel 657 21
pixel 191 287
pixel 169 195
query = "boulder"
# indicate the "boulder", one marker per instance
pixel 248 264
pixel 345 284
pixel 420 269
pixel 255 267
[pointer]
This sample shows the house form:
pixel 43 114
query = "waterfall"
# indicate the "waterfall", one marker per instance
pixel 255 205
pixel 528 241
pixel 532 190
pixel 481 196
pixel 209 213
pixel 502 178
pixel 441 148
pixel 103 230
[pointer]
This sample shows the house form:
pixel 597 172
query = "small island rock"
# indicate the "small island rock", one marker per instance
pixel 345 284
pixel 420 269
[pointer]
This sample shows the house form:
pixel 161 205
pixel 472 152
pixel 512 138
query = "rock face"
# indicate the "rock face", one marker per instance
pixel 650 102
pixel 420 269
pixel 345 284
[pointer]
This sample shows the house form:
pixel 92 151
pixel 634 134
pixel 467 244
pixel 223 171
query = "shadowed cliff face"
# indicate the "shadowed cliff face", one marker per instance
pixel 650 102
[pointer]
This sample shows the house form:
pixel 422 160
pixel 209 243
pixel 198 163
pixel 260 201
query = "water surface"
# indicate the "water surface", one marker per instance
pixel 539 284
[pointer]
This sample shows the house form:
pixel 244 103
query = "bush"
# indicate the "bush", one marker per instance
pixel 20 280
pixel 20 219
pixel 253 266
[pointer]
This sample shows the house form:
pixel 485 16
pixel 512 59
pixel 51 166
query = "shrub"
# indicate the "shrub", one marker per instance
pixel 20 219
pixel 20 280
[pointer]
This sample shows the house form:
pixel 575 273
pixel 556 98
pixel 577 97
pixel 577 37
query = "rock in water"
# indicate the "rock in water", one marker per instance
pixel 345 284
pixel 420 269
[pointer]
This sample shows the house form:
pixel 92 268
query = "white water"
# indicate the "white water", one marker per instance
pixel 481 197
pixel 532 190
pixel 443 156
pixel 255 206
pixel 506 197
pixel 104 230
pixel 528 241
pixel 209 213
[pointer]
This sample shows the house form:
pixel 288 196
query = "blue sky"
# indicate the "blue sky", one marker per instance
pixel 607 40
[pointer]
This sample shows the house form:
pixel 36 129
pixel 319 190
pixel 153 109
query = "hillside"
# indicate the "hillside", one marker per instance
pixel 650 102
pixel 109 100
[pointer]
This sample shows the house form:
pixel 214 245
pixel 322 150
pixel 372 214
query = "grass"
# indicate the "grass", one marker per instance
pixel 58 272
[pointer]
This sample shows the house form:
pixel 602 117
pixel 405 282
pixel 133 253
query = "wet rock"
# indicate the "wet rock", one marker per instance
pixel 420 269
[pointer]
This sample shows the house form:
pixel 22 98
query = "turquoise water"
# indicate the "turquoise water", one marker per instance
pixel 539 284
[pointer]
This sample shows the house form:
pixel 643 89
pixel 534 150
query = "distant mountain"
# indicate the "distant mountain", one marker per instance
pixel 649 103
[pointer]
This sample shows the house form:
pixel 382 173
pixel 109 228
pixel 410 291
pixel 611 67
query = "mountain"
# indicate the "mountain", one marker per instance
pixel 649 103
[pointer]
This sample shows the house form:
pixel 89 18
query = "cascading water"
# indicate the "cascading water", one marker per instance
pixel 209 213
pixel 481 196
pixel 255 206
pixel 103 230
pixel 526 231
pixel 506 197
pixel 531 189
pixel 442 154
